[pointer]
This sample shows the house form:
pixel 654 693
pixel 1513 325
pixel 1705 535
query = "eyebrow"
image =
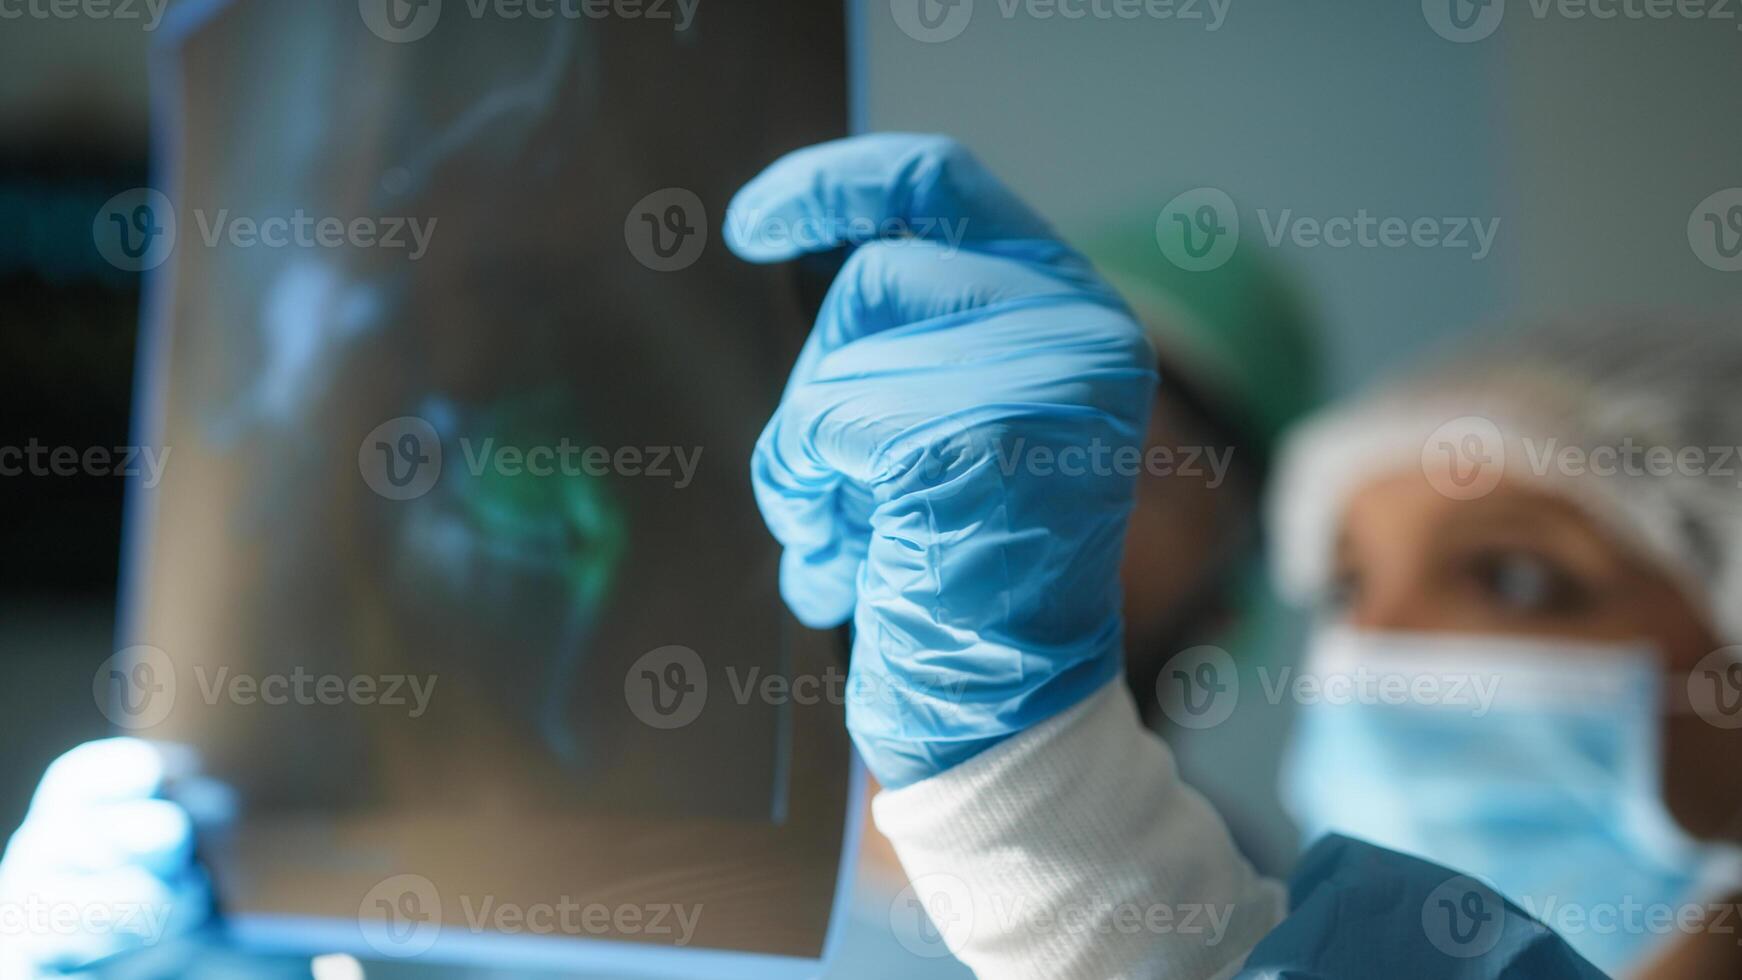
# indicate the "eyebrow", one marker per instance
pixel 1505 516
pixel 1533 515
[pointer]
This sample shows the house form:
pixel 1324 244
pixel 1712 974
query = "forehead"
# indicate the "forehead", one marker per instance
pixel 1404 508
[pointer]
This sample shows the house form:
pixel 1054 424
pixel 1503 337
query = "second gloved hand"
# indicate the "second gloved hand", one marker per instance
pixel 102 863
pixel 953 461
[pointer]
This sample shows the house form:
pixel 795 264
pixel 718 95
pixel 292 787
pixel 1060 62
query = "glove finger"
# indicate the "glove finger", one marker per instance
pixel 825 538
pixel 819 518
pixel 883 185
pixel 824 448
pixel 919 396
pixel 69 920
pixel 155 835
pixel 101 771
pixel 885 285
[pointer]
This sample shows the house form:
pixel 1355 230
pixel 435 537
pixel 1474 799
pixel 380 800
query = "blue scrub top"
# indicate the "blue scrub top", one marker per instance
pixel 1359 911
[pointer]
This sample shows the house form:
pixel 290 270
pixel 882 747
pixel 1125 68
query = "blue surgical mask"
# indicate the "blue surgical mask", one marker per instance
pixel 1531 765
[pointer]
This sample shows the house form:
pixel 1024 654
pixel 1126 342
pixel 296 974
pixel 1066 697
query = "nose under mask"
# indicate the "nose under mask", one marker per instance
pixel 1532 765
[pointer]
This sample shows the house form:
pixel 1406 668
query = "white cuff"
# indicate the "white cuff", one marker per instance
pixel 1073 850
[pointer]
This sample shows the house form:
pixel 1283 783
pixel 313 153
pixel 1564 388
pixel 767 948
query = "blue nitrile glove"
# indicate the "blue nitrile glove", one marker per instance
pixel 954 458
pixel 100 865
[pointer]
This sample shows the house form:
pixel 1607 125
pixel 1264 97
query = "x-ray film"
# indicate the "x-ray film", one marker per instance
pixel 454 583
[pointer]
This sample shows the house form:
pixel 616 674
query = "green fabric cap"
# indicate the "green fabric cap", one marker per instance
pixel 1239 333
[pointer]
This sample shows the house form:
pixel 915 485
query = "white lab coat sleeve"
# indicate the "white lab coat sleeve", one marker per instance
pixel 1074 850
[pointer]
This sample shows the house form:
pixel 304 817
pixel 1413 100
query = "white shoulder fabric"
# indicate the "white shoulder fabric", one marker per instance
pixel 1074 850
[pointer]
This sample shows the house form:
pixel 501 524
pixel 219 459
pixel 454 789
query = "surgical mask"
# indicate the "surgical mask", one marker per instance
pixel 1531 765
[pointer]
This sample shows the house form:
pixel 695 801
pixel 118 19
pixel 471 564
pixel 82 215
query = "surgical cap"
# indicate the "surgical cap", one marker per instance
pixel 1240 334
pixel 1636 420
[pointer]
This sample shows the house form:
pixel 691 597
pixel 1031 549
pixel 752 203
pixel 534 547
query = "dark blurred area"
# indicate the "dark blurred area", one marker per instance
pixel 66 367
pixel 66 362
pixel 74 131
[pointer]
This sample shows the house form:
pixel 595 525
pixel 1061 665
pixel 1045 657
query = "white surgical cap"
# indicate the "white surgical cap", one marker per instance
pixel 1637 421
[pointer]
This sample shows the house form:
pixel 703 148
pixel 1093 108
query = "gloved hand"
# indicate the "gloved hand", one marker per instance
pixel 100 865
pixel 954 458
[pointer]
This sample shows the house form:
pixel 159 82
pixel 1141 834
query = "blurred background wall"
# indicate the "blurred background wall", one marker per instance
pixel 1589 140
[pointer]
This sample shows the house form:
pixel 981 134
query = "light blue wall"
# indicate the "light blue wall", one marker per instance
pixel 1319 107
pixel 1588 140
